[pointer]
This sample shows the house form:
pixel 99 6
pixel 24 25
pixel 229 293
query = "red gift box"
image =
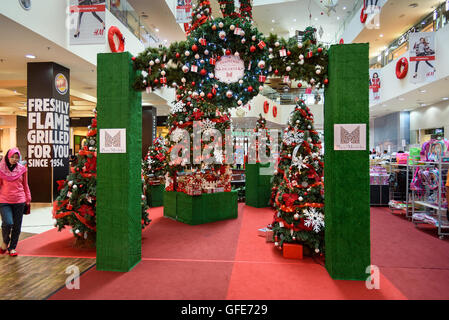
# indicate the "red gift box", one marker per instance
pixel 212 61
pixel 163 80
pixel 292 251
pixel 262 78
pixel 261 44
pixel 194 68
pixel 283 53
pixel 203 41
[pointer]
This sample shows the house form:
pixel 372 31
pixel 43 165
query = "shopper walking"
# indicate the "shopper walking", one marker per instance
pixel 86 3
pixel 14 194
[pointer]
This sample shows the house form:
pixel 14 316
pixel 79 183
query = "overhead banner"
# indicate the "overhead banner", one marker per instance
pixel 422 56
pixel 48 108
pixel 87 22
pixel 374 85
pixel 183 11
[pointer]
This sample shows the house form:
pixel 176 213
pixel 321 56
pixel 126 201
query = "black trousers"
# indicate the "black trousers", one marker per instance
pixel 12 214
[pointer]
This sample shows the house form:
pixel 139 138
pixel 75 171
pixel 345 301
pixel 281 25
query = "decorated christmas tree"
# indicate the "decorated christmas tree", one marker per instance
pixel 154 165
pixel 298 185
pixel 75 206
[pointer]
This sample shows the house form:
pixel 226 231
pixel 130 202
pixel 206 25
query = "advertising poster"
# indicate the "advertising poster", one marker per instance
pixel 183 11
pixel 422 56
pixel 374 85
pixel 87 22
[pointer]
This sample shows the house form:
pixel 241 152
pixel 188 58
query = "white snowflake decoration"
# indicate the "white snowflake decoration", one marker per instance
pixel 314 218
pixel 299 162
pixel 177 135
pixel 178 107
pixel 218 156
pixel 207 125
pixel 293 137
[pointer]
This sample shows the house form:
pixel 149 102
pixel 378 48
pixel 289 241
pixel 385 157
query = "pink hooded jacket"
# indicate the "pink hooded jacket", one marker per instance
pixel 13 184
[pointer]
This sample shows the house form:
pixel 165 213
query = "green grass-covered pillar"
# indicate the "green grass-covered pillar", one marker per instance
pixel 346 173
pixel 119 185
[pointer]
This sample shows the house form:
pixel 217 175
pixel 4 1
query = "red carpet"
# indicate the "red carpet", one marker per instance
pixel 53 244
pixel 261 273
pixel 413 258
pixel 220 260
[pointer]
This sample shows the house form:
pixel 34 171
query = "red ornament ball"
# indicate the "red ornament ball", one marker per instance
pixel 177 55
pixel 299 85
pixel 193 83
pixel 133 58
pixel 288 53
pixel 203 72
pixel 326 81
pixel 250 89
pixel 210 95
pixel 195 48
pixel 228 52
pixel 276 72
pixel 252 49
pixel 156 81
pixel 320 49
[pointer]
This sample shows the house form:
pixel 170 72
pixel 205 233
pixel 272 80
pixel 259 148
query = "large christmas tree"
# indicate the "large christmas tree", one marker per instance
pixel 298 185
pixel 154 165
pixel 76 204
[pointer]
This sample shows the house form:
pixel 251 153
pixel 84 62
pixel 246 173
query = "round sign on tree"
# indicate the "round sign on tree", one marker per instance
pixel 229 69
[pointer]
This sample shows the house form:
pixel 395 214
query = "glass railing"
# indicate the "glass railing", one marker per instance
pixel 124 12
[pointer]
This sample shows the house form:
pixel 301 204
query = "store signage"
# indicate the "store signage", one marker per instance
pixel 350 136
pixel 229 69
pixel 112 140
pixel 183 11
pixel 48 137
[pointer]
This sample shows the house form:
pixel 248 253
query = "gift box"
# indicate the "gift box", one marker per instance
pixel 283 53
pixel 262 78
pixel 261 44
pixel 212 61
pixel 194 68
pixel 163 80
pixel 237 31
pixel 292 251
pixel 203 41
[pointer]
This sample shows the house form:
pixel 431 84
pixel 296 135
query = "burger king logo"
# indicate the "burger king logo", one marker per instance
pixel 61 83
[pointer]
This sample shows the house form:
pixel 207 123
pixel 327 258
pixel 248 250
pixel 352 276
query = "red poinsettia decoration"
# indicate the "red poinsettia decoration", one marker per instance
pixel 289 198
pixel 160 157
pixel 197 114
pixel 60 184
pixel 91 164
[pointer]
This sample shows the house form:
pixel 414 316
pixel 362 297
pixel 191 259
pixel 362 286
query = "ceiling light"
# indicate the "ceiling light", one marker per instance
pixel 445 98
pixel 294 20
pixel 402 99
pixel 272 29
pixel 423 91
pixel 157 30
pixel 344 8
pixel 423 104
pixel 30 56
pixel 338 18
pixel 273 21
pixel 381 35
pixel 316 19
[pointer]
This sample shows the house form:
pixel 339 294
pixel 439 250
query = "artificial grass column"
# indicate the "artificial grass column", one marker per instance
pixel 119 184
pixel 346 173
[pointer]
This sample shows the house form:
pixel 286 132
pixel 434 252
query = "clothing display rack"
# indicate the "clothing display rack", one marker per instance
pixel 428 200
pixel 399 192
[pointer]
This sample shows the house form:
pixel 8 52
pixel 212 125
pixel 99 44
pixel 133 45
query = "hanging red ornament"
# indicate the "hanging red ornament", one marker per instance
pixel 250 89
pixel 228 52
pixel 133 58
pixel 326 81
pixel 156 81
pixel 193 83
pixel 195 48
pixel 320 49
pixel 289 53
pixel 177 55
pixel 210 95
pixel 276 72
pixel 178 97
pixel 252 49
pixel 203 72
pixel 299 85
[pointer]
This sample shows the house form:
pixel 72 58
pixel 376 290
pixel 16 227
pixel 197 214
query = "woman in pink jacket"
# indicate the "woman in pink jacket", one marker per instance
pixel 14 193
